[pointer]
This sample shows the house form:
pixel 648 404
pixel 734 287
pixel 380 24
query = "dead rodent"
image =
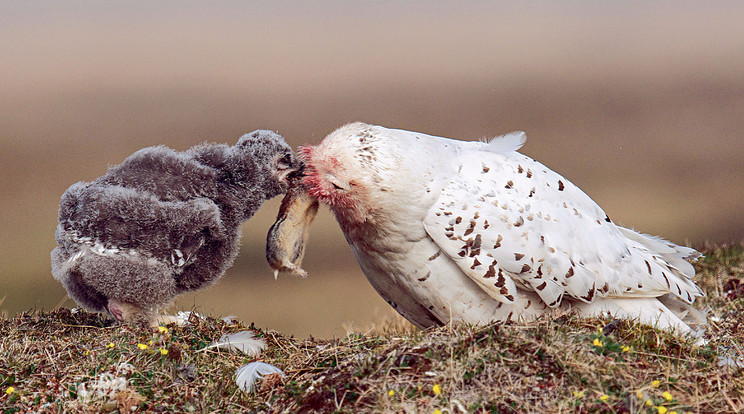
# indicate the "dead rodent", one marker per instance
pixel 285 242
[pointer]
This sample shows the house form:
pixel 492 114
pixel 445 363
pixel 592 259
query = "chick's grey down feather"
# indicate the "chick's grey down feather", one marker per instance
pixel 164 222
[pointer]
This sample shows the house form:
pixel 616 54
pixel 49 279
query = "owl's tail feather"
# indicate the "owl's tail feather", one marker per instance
pixel 671 261
pixel 677 256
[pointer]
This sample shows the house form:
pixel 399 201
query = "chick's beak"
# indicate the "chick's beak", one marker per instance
pixel 297 170
pixel 292 176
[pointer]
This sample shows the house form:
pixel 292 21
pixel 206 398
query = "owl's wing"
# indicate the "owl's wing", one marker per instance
pixel 509 222
pixel 112 218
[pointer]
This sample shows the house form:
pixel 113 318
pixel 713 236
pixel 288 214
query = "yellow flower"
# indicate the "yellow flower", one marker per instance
pixel 151 342
pixel 597 342
pixel 437 389
pixel 578 394
pixel 604 397
pixel 110 345
pixel 662 409
pixel 649 403
pixel 142 346
pixel 655 384
pixel 87 352
pixel 667 396
pixel 163 351
pixel 626 348
pixel 391 393
pixel 437 411
pixel 10 390
pixel 162 329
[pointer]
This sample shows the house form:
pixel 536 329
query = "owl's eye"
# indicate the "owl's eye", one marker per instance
pixel 337 184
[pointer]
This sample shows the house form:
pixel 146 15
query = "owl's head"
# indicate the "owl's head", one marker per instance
pixel 349 171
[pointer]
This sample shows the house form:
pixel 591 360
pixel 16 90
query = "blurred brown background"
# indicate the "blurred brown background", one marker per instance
pixel 640 104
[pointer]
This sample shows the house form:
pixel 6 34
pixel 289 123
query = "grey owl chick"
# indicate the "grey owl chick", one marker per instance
pixel 164 222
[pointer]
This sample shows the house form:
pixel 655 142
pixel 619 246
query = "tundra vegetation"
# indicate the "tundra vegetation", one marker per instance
pixel 75 361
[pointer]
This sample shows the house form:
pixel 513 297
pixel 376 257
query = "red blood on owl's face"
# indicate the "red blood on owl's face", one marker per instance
pixel 328 178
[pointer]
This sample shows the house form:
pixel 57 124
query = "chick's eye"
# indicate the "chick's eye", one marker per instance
pixel 336 186
pixel 285 161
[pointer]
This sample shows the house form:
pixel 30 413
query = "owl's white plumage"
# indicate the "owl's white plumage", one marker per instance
pixel 475 231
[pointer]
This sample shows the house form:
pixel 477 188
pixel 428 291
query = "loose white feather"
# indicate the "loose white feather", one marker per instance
pixel 506 143
pixel 182 317
pixel 230 319
pixel 243 341
pixel 248 374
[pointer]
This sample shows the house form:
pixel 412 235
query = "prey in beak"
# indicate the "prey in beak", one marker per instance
pixel 287 237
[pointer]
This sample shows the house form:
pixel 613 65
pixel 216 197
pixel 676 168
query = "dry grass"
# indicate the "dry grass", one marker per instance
pixel 52 362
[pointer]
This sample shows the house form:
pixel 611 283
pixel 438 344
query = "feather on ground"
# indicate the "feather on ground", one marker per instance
pixel 247 375
pixel 243 341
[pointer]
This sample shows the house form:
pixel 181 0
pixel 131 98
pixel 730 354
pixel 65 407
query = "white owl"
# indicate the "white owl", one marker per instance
pixel 449 230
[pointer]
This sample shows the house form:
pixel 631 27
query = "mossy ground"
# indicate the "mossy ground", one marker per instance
pixel 53 361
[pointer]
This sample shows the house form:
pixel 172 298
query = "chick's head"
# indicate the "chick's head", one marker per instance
pixel 264 156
